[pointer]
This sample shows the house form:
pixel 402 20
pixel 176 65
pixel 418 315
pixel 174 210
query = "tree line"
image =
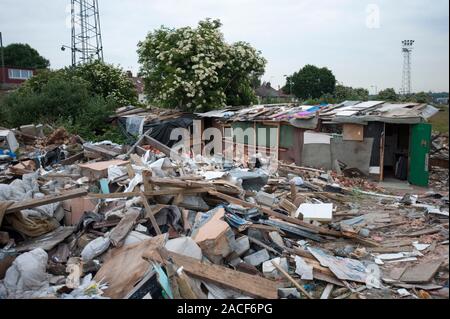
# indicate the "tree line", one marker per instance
pixel 190 68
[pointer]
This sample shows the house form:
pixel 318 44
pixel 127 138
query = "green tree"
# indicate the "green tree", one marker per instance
pixel 107 80
pixel 24 56
pixel 195 69
pixel 422 97
pixel 346 93
pixel 311 82
pixel 388 95
pixel 59 98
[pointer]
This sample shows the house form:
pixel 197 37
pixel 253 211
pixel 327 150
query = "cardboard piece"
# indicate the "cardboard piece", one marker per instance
pixel 98 170
pixel 214 235
pixel 75 208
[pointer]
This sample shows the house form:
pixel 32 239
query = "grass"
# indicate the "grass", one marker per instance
pixel 440 120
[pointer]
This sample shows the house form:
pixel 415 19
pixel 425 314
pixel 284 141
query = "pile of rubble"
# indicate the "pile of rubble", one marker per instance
pixel 439 162
pixel 99 220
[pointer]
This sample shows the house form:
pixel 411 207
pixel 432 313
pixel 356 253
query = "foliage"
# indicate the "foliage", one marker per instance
pixel 422 97
pixel 108 81
pixel 388 95
pixel 58 98
pixel 195 69
pixel 346 93
pixel 311 82
pixel 24 56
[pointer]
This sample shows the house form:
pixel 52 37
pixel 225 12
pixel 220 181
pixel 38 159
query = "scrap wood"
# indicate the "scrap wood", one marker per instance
pixel 150 214
pixel 421 233
pixel 32 203
pixel 253 286
pixel 73 159
pixel 292 280
pixel 293 167
pixel 125 267
pixel 260 243
pixel 218 185
pixel 125 225
pixel 421 273
pixel 75 270
pixel 312 228
pixel 107 154
pixel 165 191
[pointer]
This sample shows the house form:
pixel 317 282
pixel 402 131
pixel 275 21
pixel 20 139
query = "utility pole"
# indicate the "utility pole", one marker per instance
pixel 2 59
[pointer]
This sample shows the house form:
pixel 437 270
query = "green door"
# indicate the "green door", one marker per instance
pixel 419 152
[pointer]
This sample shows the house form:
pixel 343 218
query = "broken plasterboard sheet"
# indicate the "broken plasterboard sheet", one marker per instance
pixel 211 175
pixel 185 246
pixel 317 212
pixel 303 269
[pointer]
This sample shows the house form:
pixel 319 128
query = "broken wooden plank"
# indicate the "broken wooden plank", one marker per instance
pixel 421 273
pixel 422 232
pixel 105 153
pixel 253 286
pixel 32 203
pixel 260 243
pixel 150 214
pixel 122 229
pixel 166 191
pixel 312 228
pixel 73 159
pixel 125 267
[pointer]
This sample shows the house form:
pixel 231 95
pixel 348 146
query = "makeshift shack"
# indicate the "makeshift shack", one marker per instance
pixel 400 136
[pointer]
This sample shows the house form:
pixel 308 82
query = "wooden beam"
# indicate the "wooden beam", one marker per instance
pixel 32 203
pixel 161 192
pixel 150 214
pixel 253 286
pixel 100 150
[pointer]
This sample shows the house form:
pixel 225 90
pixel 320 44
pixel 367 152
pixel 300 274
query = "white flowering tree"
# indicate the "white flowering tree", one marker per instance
pixel 195 69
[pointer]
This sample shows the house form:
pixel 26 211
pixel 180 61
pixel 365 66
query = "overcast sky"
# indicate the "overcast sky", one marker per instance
pixel 358 40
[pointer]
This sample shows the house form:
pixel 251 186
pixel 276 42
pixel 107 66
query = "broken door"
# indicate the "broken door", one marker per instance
pixel 419 153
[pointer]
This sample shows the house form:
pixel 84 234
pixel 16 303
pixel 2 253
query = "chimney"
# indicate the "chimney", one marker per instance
pixel 129 74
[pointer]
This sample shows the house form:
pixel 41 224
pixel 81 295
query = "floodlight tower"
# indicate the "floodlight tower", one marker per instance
pixel 407 48
pixel 86 33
